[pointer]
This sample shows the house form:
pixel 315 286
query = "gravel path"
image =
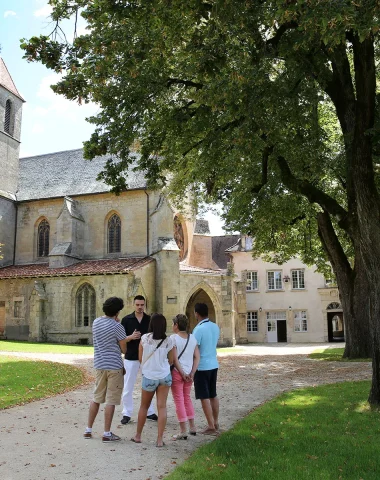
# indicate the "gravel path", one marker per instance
pixel 43 440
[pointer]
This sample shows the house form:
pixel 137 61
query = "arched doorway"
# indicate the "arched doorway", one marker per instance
pixel 200 296
pixel 335 324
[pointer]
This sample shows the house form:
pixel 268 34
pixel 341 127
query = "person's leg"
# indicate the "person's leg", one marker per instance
pixel 177 392
pixel 189 407
pixel 109 411
pixel 94 409
pixel 215 411
pixel 162 395
pixel 207 410
pixel 146 398
pixel 131 371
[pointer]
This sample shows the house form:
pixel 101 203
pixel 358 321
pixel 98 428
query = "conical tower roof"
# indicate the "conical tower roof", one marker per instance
pixel 6 80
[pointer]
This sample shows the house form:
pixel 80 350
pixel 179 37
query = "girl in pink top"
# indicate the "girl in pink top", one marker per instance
pixel 185 361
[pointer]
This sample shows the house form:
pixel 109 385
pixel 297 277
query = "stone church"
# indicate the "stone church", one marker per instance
pixel 68 244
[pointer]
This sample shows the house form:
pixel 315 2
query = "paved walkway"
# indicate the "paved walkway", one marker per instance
pixel 43 440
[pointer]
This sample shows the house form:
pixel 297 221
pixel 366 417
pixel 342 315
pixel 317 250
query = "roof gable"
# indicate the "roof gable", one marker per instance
pixel 6 80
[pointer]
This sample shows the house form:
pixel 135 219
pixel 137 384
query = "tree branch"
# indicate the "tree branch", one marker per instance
pixel 187 83
pixel 264 169
pixel 312 193
pixel 332 246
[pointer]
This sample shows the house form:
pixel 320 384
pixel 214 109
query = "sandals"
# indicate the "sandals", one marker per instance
pixel 180 436
pixel 191 432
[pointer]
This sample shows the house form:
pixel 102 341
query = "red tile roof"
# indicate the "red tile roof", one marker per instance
pixel 88 267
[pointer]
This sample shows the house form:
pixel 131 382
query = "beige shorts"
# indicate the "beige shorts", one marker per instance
pixel 108 386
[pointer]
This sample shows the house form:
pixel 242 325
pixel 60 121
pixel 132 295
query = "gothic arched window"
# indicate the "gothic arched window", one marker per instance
pixel 7 118
pixel 85 303
pixel 43 239
pixel 114 234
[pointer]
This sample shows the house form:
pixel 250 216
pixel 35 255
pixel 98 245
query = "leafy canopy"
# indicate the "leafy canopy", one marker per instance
pixel 237 99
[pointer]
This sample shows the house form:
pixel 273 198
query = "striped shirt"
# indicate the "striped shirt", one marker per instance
pixel 107 333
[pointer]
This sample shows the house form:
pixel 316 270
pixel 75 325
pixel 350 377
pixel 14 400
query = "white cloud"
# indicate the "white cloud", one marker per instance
pixel 45 11
pixel 38 128
pixel 9 13
pixel 57 105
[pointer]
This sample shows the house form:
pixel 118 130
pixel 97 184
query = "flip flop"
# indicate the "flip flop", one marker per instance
pixel 135 441
pixel 160 446
pixel 209 431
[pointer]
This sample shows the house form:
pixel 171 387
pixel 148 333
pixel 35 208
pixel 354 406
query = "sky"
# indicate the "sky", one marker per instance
pixel 50 123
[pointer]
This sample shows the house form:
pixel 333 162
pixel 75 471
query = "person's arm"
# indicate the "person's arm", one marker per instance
pixel 171 356
pixel 135 335
pixel 175 362
pixel 123 345
pixel 196 359
pixel 140 352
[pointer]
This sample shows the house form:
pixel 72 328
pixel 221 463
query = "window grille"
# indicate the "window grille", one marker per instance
pixel 85 306
pixel 274 280
pixel 252 323
pixel 300 321
pixel 7 118
pixel 298 279
pixel 252 281
pixel 114 234
pixel 43 239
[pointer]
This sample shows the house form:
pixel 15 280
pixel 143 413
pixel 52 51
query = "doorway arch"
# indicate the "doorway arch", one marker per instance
pixel 202 293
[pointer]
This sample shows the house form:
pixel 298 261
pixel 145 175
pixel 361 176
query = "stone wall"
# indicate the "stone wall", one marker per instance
pixel 47 308
pixel 96 210
pixel 7 230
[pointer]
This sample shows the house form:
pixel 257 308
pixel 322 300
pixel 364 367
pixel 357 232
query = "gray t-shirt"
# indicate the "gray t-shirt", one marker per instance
pixel 107 333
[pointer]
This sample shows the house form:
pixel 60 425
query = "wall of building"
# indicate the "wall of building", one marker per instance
pixel 96 210
pixel 7 230
pixel 48 304
pixel 10 144
pixel 289 300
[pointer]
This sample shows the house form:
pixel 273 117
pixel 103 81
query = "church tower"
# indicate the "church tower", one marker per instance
pixel 10 131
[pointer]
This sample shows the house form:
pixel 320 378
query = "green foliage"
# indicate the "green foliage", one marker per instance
pixel 232 98
pixel 315 433
pixel 22 381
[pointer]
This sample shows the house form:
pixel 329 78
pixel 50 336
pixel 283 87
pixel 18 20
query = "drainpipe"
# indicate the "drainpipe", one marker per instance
pixel 147 223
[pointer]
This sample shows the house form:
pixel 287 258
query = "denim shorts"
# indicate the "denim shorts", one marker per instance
pixel 151 385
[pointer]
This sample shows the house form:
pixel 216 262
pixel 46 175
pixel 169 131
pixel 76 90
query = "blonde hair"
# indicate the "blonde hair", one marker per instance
pixel 181 320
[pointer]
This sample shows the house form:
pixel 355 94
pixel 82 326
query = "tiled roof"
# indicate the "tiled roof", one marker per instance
pixel 208 271
pixel 6 80
pixel 88 267
pixel 66 173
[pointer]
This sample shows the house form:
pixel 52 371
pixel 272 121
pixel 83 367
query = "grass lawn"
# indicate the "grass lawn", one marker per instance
pixel 34 347
pixel 335 355
pixel 324 433
pixel 22 381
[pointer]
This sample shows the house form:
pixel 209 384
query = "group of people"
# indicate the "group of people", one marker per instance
pixel 167 362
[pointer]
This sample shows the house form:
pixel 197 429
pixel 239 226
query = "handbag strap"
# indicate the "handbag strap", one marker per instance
pixel 158 346
pixel 180 355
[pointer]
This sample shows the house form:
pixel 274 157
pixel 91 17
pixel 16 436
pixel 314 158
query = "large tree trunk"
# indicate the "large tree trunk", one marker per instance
pixel 351 283
pixel 356 312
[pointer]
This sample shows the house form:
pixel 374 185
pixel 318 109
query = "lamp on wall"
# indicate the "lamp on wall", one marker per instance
pixel 290 307
pixel 260 309
pixel 286 278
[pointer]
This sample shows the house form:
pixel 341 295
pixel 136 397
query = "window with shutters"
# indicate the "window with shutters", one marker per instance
pixel 8 117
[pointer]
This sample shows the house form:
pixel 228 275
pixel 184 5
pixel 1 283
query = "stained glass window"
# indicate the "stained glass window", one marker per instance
pixel 114 234
pixel 43 239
